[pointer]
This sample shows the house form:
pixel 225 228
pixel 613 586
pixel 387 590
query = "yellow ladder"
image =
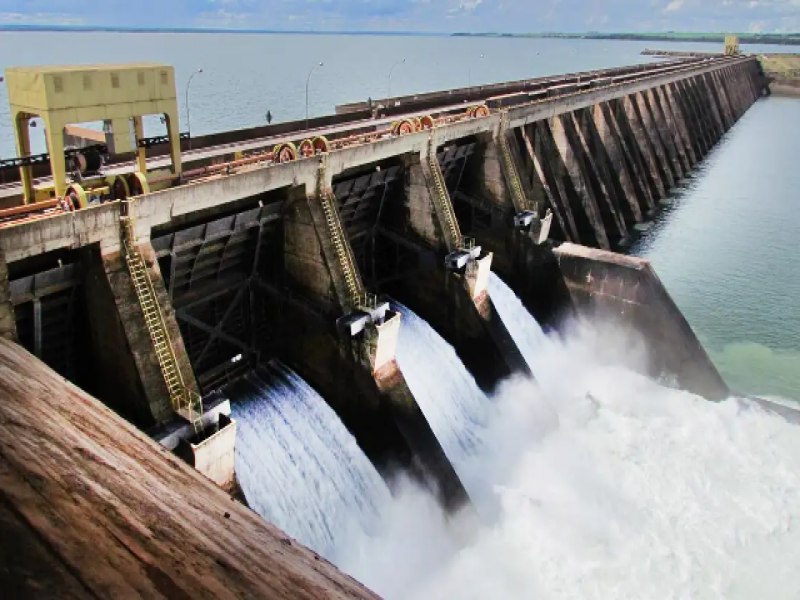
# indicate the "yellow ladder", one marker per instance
pixel 184 401
pixel 344 253
pixel 512 177
pixel 443 199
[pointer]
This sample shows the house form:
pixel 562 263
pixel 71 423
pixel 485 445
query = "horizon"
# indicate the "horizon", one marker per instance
pixel 508 17
pixel 244 30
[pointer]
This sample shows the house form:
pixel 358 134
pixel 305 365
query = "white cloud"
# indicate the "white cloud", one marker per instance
pixel 673 6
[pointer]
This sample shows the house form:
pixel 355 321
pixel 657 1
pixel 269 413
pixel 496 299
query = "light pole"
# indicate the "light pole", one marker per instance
pixel 397 64
pixel 469 72
pixel 188 114
pixel 320 64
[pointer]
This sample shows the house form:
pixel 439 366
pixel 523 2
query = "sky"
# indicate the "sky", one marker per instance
pixel 516 16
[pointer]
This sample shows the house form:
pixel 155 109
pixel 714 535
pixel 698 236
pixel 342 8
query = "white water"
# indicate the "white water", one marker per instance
pixel 453 404
pixel 298 466
pixel 605 484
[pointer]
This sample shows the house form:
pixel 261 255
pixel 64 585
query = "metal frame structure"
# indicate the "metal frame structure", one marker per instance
pixel 116 94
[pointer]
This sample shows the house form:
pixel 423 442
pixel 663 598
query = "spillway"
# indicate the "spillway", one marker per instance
pixel 298 466
pixel 453 404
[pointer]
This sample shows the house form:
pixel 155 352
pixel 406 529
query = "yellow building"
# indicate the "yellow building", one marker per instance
pixel 119 95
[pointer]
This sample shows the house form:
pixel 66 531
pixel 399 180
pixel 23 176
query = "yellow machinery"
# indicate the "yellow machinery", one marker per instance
pixel 731 45
pixel 118 95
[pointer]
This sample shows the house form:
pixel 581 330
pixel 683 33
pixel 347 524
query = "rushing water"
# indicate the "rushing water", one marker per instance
pixel 603 484
pixel 298 466
pixel 726 249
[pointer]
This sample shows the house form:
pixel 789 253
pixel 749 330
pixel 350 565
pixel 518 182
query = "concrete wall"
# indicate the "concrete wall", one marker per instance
pixel 626 290
pixel 8 325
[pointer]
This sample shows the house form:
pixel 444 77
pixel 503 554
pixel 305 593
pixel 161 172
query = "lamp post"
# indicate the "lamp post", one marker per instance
pixel 188 114
pixel 469 72
pixel 397 64
pixel 320 64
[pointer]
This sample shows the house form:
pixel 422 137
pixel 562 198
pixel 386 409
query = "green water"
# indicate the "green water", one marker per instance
pixel 726 247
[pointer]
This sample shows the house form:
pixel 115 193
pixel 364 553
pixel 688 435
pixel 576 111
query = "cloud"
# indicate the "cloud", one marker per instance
pixel 673 6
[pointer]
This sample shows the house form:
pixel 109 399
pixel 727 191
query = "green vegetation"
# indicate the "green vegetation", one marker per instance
pixel 790 39
pixel 781 66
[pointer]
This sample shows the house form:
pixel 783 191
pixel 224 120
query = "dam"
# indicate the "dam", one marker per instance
pixel 186 272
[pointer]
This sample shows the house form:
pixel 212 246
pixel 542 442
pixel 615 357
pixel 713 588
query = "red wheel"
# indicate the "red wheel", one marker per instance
pixel 426 122
pixel 306 148
pixel 321 144
pixel 137 184
pixel 404 127
pixel 286 152
pixel 480 111
pixel 77 195
pixel 118 187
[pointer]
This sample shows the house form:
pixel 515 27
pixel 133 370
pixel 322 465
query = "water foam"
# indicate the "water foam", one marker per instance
pixel 605 484
pixel 298 465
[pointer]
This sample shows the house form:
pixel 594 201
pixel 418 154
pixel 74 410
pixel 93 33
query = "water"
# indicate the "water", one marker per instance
pixel 447 394
pixel 298 466
pixel 246 75
pixel 726 249
pixel 603 484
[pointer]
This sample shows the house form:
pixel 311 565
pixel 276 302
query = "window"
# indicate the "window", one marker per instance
pixel 58 84
pixel 87 82
pixel 115 80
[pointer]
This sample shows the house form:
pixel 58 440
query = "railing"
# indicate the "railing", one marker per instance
pixel 343 251
pixel 443 199
pixel 518 198
pixel 184 401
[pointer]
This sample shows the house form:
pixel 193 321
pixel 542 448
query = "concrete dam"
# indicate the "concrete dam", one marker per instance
pixel 298 264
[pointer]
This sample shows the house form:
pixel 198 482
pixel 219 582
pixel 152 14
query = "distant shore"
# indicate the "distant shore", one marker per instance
pixel 788 39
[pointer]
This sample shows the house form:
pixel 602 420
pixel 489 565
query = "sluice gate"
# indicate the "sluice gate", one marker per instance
pixel 291 248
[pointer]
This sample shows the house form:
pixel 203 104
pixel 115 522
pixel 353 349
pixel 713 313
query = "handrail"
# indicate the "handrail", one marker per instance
pixel 344 253
pixel 185 402
pixel 518 198
pixel 443 199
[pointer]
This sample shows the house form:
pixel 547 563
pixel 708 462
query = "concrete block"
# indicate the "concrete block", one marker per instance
pixel 213 456
pixel 383 342
pixel 477 275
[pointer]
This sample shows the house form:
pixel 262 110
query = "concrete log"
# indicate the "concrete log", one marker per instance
pixel 91 507
pixel 667 134
pixel 580 194
pixel 633 153
pixel 719 103
pixel 8 323
pixel 618 166
pixel 658 151
pixel 685 117
pixel 722 99
pixel 713 129
pixel 701 131
pixel 678 126
pixel 559 205
pixel 594 162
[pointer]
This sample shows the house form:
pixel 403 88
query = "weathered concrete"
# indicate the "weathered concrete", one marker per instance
pixel 8 324
pixel 627 290
pixel 90 507
pixel 99 224
pixel 213 455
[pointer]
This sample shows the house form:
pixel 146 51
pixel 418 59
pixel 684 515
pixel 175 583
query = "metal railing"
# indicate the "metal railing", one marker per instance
pixel 185 402
pixel 442 198
pixel 518 198
pixel 344 254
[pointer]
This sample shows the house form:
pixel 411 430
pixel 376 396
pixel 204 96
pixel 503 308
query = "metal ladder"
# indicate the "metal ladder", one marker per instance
pixel 517 195
pixel 443 199
pixel 344 253
pixel 184 401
